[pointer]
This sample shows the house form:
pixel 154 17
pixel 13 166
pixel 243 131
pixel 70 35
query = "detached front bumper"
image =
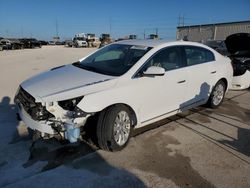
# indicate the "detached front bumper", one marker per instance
pixel 41 126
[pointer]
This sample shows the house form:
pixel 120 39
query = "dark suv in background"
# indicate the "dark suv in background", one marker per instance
pixel 10 44
pixel 30 43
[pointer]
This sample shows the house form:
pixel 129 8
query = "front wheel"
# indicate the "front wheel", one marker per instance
pixel 114 128
pixel 217 95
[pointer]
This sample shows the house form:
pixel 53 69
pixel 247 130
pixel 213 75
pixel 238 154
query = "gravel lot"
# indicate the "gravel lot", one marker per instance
pixel 199 148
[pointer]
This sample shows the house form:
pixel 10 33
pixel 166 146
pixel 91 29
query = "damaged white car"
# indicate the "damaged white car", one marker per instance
pixel 238 46
pixel 127 85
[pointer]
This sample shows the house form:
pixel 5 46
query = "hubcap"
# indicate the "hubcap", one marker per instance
pixel 218 94
pixel 121 128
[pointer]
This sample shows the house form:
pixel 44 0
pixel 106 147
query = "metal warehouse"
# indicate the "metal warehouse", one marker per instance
pixel 207 32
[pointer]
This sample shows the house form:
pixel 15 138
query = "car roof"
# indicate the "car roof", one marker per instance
pixel 144 42
pixel 157 42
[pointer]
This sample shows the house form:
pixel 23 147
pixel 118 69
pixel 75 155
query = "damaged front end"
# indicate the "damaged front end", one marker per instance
pixel 62 118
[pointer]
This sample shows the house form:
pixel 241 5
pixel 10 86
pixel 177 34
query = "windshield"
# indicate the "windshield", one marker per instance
pixel 79 38
pixel 114 60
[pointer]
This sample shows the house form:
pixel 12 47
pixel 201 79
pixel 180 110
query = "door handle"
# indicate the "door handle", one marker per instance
pixel 213 72
pixel 182 81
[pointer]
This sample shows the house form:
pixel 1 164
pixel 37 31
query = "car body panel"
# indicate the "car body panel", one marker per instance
pixel 51 85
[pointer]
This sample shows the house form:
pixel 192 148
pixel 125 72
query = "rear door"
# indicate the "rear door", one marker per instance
pixel 201 70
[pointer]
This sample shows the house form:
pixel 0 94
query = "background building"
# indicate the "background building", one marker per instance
pixel 208 32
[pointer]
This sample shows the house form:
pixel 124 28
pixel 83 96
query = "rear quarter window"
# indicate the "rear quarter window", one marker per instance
pixel 197 55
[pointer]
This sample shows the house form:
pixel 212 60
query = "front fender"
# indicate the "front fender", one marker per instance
pixel 96 102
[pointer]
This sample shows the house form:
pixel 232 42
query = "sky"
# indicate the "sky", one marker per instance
pixel 38 18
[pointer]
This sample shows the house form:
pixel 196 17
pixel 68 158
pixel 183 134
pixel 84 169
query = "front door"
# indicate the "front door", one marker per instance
pixel 161 95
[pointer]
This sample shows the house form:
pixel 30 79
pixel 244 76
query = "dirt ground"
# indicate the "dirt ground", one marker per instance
pixel 199 148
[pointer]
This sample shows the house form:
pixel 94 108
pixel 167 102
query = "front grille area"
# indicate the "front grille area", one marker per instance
pixel 35 110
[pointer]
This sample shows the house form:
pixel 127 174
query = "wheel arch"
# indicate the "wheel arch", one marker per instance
pixel 225 82
pixel 132 112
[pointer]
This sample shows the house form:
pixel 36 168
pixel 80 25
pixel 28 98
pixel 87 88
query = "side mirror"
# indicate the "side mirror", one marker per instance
pixel 154 71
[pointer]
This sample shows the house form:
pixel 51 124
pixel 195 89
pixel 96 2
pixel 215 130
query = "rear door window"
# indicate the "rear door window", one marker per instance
pixel 197 55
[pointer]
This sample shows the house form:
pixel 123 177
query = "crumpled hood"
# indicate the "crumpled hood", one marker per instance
pixel 65 82
pixel 238 44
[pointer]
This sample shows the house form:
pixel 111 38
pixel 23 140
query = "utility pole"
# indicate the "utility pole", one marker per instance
pixel 156 31
pixel 181 21
pixel 22 31
pixel 144 34
pixel 110 26
pixel 7 33
pixel 56 28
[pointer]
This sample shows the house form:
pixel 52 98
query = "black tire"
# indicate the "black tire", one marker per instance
pixel 105 128
pixel 212 103
pixel 34 134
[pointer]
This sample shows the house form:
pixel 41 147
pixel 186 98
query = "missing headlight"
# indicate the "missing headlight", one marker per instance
pixel 70 104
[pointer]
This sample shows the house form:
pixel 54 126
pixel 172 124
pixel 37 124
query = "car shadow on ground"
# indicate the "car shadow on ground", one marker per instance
pixel 55 153
pixel 241 115
pixel 229 112
pixel 8 122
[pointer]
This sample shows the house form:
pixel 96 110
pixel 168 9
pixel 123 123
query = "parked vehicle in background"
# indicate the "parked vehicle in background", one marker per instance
pixel 68 43
pixel 105 39
pixel 124 86
pixel 52 43
pixel 153 36
pixel 218 45
pixel 43 42
pixel 238 46
pixel 80 40
pixel 11 44
pixel 30 43
pixel 59 43
pixel 93 41
pixel 132 37
pixel 6 45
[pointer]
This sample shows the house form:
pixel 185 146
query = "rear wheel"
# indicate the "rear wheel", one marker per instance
pixel 114 128
pixel 217 95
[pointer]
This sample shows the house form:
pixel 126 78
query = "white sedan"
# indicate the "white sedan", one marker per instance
pixel 125 85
